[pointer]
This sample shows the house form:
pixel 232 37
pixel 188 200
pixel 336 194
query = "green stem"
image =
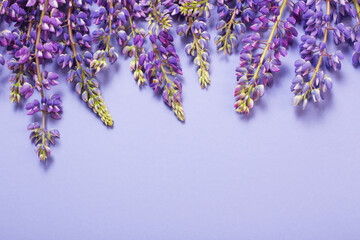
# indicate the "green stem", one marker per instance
pixel 38 66
pixel 71 36
pixel 323 52
pixel 199 50
pixel 229 24
pixel 110 26
pixel 72 41
pixel 270 39
pixel 162 68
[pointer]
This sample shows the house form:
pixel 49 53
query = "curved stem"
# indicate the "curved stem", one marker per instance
pixel 71 36
pixel 104 115
pixel 199 50
pixel 270 40
pixel 230 23
pixel 30 24
pixel 154 12
pixel 179 114
pixel 163 70
pixel 110 27
pixel 323 52
pixel 29 31
pixel 38 65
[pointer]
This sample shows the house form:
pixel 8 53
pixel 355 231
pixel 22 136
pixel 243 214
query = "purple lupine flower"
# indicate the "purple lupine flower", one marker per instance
pixel 132 38
pixel 53 106
pixel 30 48
pixel 162 63
pixel 232 23
pixel 33 107
pixel 311 82
pixel 23 55
pixel 110 16
pixel 82 65
pixel 195 26
pixel 27 90
pixel 256 70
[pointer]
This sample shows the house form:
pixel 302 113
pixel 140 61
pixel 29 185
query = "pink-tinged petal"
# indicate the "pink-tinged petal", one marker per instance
pixel 53 3
pixel 30 3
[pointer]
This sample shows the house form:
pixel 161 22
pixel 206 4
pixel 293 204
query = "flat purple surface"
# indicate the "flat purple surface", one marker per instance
pixel 280 173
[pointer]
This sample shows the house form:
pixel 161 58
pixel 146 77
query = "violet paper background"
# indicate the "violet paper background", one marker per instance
pixel 279 173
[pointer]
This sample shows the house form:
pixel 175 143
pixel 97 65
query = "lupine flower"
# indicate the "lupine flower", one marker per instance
pixel 111 17
pixel 232 22
pixel 310 81
pixel 195 26
pixel 158 14
pixel 30 45
pixel 137 51
pixel 81 64
pixel 256 69
pixel 132 38
pixel 46 30
pixel 19 63
pixel 22 55
pixel 162 62
pixel 115 18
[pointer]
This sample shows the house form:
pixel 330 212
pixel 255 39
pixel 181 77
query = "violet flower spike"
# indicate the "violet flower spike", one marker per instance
pixel 30 46
pixel 44 49
pixel 104 17
pixel 17 44
pixel 311 82
pixel 158 14
pixel 195 26
pixel 132 38
pixel 232 23
pixel 137 50
pixel 81 71
pixel 162 62
pixel 256 70
pixel 116 18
